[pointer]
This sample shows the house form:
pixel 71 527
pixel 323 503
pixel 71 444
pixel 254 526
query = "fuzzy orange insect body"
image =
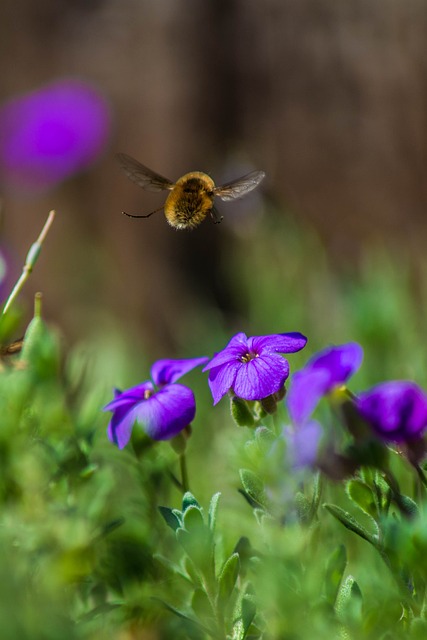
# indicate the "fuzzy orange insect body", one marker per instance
pixel 191 197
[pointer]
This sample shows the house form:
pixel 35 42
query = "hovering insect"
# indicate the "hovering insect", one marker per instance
pixel 191 198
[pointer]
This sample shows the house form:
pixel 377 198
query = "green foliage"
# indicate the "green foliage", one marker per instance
pixel 100 543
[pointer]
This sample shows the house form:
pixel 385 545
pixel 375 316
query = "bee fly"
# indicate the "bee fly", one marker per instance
pixel 191 198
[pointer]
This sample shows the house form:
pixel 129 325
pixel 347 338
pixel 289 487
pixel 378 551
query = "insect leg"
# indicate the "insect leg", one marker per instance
pixel 217 219
pixel 132 215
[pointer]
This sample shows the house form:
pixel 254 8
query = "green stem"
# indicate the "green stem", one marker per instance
pixel 184 473
pixel 30 261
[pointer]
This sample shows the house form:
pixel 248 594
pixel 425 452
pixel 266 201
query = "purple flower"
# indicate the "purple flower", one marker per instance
pixel 303 443
pixel 252 367
pixel 162 412
pixel 396 410
pixel 51 133
pixel 325 371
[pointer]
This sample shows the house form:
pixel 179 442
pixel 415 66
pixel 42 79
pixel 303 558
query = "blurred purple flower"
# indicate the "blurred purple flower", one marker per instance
pixel 162 412
pixel 51 133
pixel 396 410
pixel 252 367
pixel 325 371
pixel 303 443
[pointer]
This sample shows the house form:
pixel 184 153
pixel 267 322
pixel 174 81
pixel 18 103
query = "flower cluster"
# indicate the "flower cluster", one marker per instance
pixel 254 369
pixel 250 368
pixel 393 412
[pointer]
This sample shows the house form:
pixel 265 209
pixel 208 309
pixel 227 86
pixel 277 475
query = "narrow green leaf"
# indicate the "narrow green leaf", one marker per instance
pixel 265 438
pixel 201 605
pixel 170 518
pixel 238 632
pixel 349 602
pixel 189 500
pixel 362 495
pixel 171 567
pixel 111 526
pixel 193 519
pixel 228 577
pixel 191 570
pixel 248 612
pixel 254 487
pixel 303 507
pixel 213 509
pixel 407 505
pixel 184 616
pixel 334 572
pixel 317 494
pixel 351 523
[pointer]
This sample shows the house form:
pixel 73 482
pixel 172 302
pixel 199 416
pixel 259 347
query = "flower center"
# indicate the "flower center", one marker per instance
pixel 148 393
pixel 247 357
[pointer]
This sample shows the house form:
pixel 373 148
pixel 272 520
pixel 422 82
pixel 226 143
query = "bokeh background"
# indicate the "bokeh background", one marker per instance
pixel 330 99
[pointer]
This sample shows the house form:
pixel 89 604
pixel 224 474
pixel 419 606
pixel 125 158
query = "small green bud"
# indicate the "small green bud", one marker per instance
pixel 269 404
pixel 241 413
pixel 40 350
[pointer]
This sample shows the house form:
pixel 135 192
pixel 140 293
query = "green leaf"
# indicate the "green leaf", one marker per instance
pixel 241 413
pixel 349 602
pixel 265 439
pixel 170 518
pixel 213 509
pixel 334 572
pixel 189 500
pixel 228 577
pixel 407 505
pixel 184 616
pixel 351 523
pixel 201 605
pixel 244 614
pixel 193 519
pixel 248 608
pixel 171 567
pixel 303 507
pixel 254 487
pixel 191 570
pixel 41 349
pixel 238 631
pixel 362 495
pixel 198 545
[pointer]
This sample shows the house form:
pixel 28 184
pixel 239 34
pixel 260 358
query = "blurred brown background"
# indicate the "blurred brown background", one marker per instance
pixel 329 98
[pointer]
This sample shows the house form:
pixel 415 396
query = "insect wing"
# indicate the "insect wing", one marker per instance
pixel 240 187
pixel 141 175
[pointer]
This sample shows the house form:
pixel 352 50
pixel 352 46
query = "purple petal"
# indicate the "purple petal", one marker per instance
pixel 260 377
pixel 167 412
pixel 306 389
pixel 235 349
pixel 324 371
pixel 341 362
pixel 120 427
pixel 221 379
pixel 280 342
pixel 167 371
pixel 129 397
pixel 303 444
pixel 51 133
pixel 396 410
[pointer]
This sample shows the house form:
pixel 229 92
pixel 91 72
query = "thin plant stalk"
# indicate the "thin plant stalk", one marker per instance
pixel 30 261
